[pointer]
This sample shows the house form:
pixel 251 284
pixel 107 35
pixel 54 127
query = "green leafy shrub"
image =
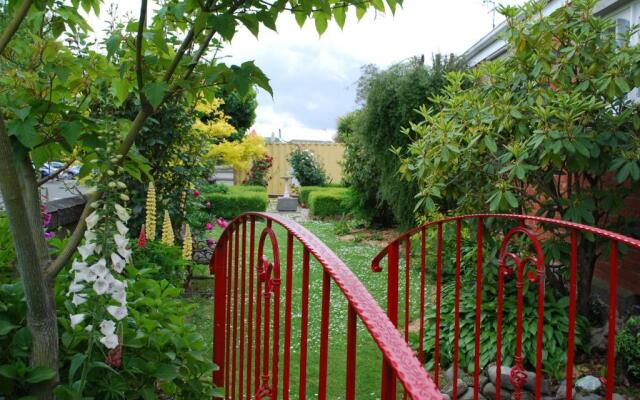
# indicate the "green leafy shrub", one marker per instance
pixel 238 200
pixel 305 191
pixel 7 252
pixel 166 260
pixel 556 323
pixel 329 202
pixel 15 341
pixel 628 348
pixel 214 188
pixel 306 168
pixel 163 354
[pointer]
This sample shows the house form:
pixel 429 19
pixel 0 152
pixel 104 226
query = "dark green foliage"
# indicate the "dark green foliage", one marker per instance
pixel 238 200
pixel 306 168
pixel 7 252
pixel 628 348
pixel 329 202
pixel 260 172
pixel 388 101
pixel 240 110
pixel 162 352
pixel 305 191
pixel 15 342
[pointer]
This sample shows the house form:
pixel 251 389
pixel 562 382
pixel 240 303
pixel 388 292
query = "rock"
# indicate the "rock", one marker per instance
pixel 505 376
pixel 462 388
pixel 617 396
pixel 561 394
pixel 588 384
pixel 469 395
pixel 489 391
pixel 445 396
pixel 448 374
pixel 202 255
pixel 482 380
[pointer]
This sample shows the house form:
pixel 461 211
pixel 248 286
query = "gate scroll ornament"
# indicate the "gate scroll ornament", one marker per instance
pixel 268 288
pixel 518 376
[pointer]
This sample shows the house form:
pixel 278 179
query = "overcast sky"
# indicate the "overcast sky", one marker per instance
pixel 314 78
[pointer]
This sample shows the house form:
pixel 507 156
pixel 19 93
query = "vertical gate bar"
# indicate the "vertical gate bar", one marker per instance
pixel 287 319
pixel 276 336
pixel 456 329
pixel 242 307
pixel 304 321
pixel 573 275
pixel 259 288
pixel 219 312
pixel 407 265
pixel 541 283
pixel 519 323
pixel 324 336
pixel 407 286
pixel 351 353
pixel 499 330
pixel 479 263
pixel 252 242
pixel 388 384
pixel 438 303
pixel 235 313
pixel 423 283
pixel 266 325
pixel 613 297
pixel 227 360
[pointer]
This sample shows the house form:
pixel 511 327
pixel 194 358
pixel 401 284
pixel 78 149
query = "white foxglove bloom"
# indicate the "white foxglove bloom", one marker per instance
pixel 125 253
pixel 118 262
pixel 110 341
pixel 75 288
pixel 107 327
pixel 122 212
pixel 120 240
pixel 120 296
pixel 100 286
pixel 100 268
pixel 89 236
pixel 92 220
pixel 122 229
pixel 78 266
pixel 78 299
pixel 88 328
pixel 117 312
pixel 76 319
pixel 86 250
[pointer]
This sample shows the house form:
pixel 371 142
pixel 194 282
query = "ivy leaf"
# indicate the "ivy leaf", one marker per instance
pixel 251 22
pixel 301 17
pixel 25 131
pixel 120 89
pixel 155 93
pixel 321 22
pixel 224 24
pixel 71 130
pixel 360 12
pixel 166 372
pixel 22 113
pixel 340 14
pixel 40 374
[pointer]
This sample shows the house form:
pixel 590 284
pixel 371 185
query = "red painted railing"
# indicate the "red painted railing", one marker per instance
pixel 251 344
pixel 516 264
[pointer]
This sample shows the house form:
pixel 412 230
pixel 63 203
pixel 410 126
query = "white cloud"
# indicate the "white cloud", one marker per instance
pixel 269 122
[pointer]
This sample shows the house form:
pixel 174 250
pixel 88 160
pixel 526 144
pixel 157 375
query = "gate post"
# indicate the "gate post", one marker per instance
pixel 219 310
pixel 388 390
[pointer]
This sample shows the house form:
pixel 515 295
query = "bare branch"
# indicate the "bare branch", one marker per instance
pixel 57 173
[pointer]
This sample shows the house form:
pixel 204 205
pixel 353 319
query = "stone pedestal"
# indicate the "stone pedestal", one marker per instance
pixel 287 204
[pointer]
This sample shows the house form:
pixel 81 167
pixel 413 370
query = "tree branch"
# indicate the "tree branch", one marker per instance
pixel 57 173
pixel 139 41
pixel 14 24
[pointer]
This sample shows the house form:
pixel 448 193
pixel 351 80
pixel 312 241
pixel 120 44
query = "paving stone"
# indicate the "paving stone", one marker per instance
pixel 588 384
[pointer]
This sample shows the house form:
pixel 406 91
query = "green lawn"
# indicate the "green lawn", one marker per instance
pixel 358 258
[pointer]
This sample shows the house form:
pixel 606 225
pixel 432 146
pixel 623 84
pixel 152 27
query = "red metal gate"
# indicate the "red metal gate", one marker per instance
pixel 517 265
pixel 247 317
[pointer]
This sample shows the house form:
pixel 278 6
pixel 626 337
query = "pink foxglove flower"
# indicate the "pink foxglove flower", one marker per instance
pixel 209 226
pixel 210 243
pixel 222 223
pixel 196 193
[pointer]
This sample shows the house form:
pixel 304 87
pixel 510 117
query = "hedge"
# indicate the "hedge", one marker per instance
pixel 329 202
pixel 238 200
pixel 305 191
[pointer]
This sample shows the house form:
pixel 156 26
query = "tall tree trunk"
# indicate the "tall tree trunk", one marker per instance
pixel 41 316
pixel 586 266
